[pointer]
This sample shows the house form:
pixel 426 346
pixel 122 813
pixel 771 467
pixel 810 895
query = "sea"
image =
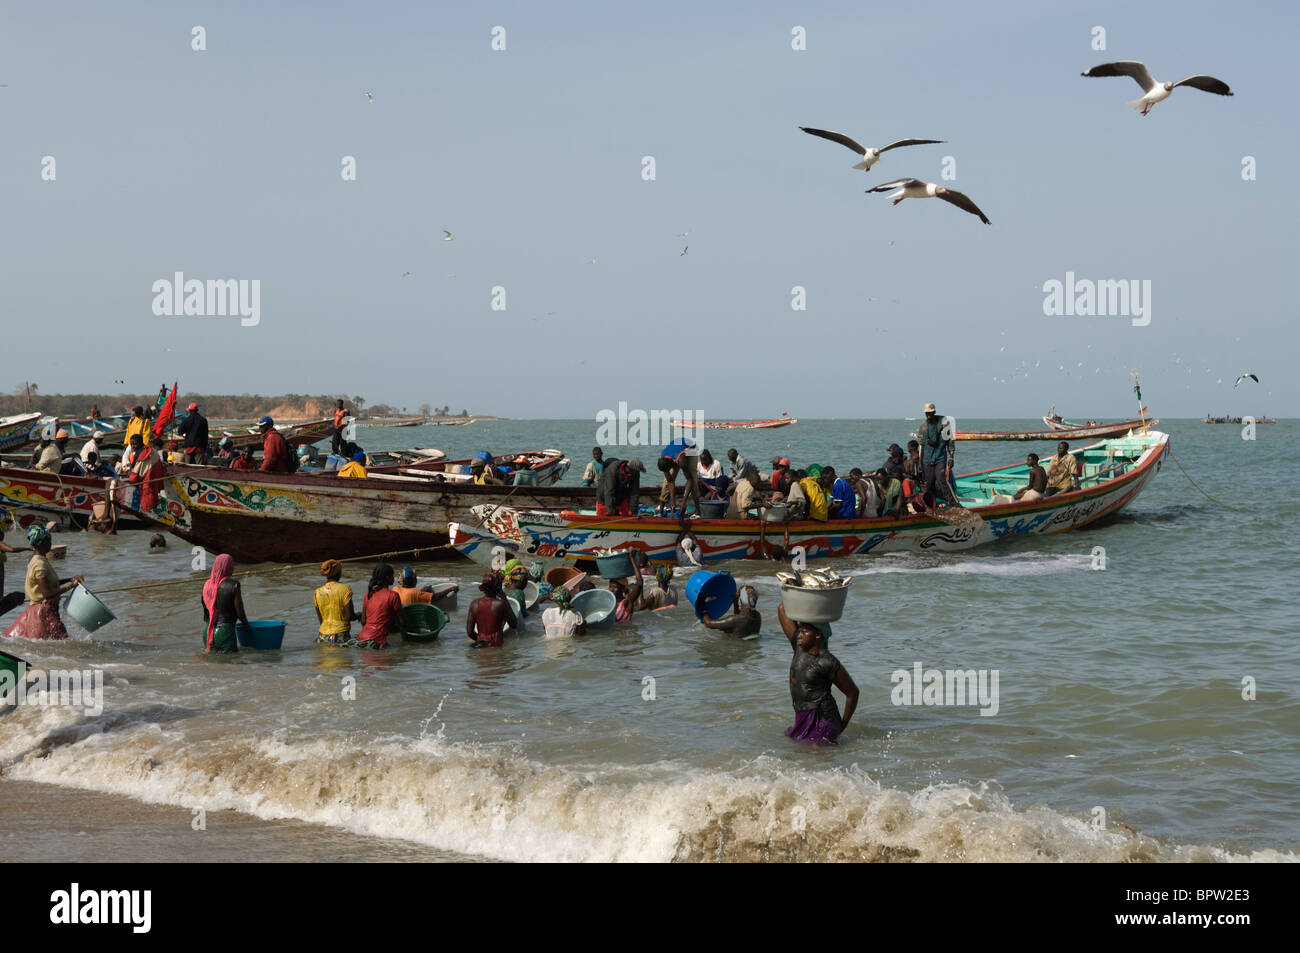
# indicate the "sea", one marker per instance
pixel 1140 677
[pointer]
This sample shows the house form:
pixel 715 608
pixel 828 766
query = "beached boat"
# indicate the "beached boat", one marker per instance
pixel 1081 432
pixel 286 517
pixel 72 498
pixel 15 431
pixel 1114 473
pixel 296 435
pixel 547 465
pixel 783 421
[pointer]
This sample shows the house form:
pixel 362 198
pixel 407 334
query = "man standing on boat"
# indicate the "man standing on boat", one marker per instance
pixel 340 420
pixel 938 449
pixel 194 435
pixel 1061 472
pixel 275 450
pixel 138 424
pixel 595 466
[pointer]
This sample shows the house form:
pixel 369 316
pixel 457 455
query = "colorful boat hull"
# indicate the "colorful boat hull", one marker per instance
pixel 69 498
pixel 1097 432
pixel 281 517
pixel 551 535
pixel 15 432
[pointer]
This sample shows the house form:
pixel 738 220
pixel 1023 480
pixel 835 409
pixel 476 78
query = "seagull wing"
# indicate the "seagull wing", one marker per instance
pixel 896 184
pixel 1126 68
pixel 837 137
pixel 960 200
pixel 909 142
pixel 1207 83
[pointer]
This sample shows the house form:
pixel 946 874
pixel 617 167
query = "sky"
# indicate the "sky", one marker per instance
pixel 226 162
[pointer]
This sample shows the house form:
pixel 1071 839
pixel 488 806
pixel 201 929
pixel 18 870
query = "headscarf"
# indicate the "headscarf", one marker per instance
pixel 535 572
pixel 562 598
pixel 37 534
pixel 331 569
pixel 751 596
pixel 408 577
pixel 222 568
pixel 664 574
pixel 815 470
pixel 490 585
pixel 510 566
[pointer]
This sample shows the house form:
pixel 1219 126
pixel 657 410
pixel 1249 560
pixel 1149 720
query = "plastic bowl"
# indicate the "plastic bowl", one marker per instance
pixel 86 609
pixel 596 606
pixel 266 634
pixel 423 622
pixel 717 588
pixel 617 566
pixel 814 605
pixel 713 509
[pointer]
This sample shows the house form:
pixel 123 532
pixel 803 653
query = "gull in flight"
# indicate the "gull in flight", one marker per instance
pixel 406 274
pixel 446 236
pixel 1154 92
pixel 684 234
pixel 370 97
pixel 1243 377
pixel 684 251
pixel 916 189
pixel 870 156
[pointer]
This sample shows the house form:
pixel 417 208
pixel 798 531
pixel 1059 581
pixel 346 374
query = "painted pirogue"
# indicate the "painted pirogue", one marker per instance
pixel 285 517
pixel 1114 473
pixel 1057 432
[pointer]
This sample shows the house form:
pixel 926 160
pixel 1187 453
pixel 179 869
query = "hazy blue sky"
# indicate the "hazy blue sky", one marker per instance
pixel 226 164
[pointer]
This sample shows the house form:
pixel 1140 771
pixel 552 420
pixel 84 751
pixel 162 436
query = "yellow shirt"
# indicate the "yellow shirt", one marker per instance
pixel 352 469
pixel 332 601
pixel 137 425
pixel 1060 473
pixel 818 507
pixel 42 582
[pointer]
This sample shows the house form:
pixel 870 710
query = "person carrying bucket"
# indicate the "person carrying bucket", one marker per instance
pixel 813 670
pixel 43 587
pixel 744 619
pixel 629 598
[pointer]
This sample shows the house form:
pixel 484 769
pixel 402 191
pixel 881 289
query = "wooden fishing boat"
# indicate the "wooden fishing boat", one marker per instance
pixel 547 465
pixel 783 421
pixel 1096 432
pixel 1114 473
pixel 297 517
pixel 1236 420
pixel 70 498
pixel 295 435
pixel 15 431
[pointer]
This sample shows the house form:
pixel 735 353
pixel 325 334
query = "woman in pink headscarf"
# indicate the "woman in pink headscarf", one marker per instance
pixel 223 606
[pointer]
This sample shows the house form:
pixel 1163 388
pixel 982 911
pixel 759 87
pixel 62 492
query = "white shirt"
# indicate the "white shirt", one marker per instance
pixel 712 471
pixel 560 622
pixel 89 447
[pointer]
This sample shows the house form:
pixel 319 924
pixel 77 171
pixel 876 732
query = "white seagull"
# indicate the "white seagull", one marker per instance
pixel 870 156
pixel 684 251
pixel 1156 92
pixel 446 236
pixel 1243 377
pixel 916 189
pixel 370 97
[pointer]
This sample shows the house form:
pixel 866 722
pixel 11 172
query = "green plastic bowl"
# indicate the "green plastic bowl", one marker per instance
pixel 423 622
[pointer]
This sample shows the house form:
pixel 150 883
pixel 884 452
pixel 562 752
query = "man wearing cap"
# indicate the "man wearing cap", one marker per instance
pixel 779 466
pixel 275 450
pixel 938 449
pixel 91 446
pixel 619 487
pixel 483 475
pixel 194 435
pixel 137 424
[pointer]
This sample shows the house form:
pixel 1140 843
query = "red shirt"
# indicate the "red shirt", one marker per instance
pixel 275 453
pixel 381 608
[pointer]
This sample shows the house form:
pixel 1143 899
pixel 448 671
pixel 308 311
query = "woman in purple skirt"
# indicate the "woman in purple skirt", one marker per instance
pixel 813 671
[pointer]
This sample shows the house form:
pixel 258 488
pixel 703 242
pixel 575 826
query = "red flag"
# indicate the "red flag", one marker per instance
pixel 166 414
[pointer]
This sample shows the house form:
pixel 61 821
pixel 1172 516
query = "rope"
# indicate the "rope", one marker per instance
pixel 1193 483
pixel 284 568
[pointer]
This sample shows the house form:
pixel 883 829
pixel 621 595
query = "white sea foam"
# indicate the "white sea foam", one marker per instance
pixel 490 802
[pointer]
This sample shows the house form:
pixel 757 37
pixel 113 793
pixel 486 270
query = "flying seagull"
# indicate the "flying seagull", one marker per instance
pixel 1243 377
pixel 1156 92
pixel 683 251
pixel 446 236
pixel 370 97
pixel 916 189
pixel 870 156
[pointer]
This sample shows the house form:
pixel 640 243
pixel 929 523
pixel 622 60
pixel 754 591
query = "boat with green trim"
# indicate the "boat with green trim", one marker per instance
pixel 1113 473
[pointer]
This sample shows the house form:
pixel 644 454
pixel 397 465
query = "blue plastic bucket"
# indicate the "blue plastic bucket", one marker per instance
pixel 86 609
pixel 262 634
pixel 616 566
pixel 596 606
pixel 717 588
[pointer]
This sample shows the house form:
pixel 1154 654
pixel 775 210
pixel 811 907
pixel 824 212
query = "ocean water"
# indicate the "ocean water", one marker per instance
pixel 1120 732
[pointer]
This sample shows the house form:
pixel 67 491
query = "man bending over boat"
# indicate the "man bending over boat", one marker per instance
pixel 619 487
pixel 1061 472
